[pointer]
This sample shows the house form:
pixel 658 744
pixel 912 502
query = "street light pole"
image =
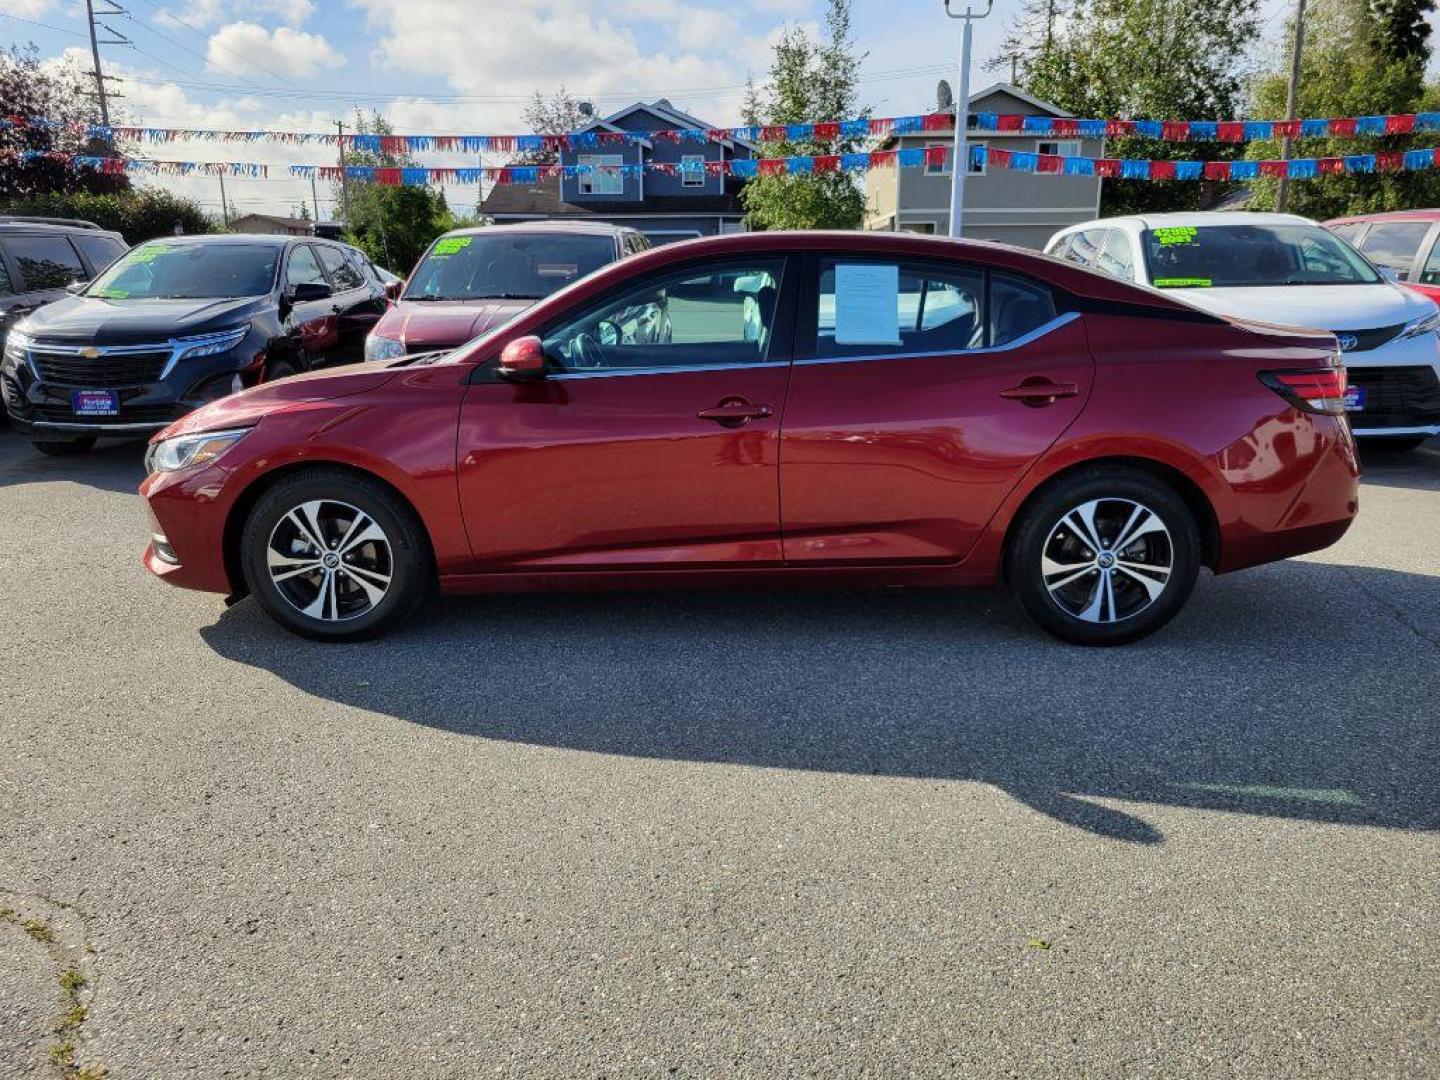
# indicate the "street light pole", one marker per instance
pixel 959 164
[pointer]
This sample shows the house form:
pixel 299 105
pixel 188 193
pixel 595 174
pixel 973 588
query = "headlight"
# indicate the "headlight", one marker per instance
pixel 211 344
pixel 1426 324
pixel 16 344
pixel 184 451
pixel 383 348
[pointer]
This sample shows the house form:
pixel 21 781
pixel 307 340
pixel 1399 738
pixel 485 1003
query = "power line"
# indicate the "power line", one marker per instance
pixel 221 46
pixel 43 26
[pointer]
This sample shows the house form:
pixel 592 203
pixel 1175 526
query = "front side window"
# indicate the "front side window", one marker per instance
pixel 1250 256
pixel 302 269
pixel 45 262
pixel 604 180
pixel 717 317
pixel 189 271
pixel 886 308
pixel 1394 244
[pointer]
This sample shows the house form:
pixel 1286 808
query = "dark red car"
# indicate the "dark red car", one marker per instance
pixel 1404 243
pixel 827 407
pixel 470 280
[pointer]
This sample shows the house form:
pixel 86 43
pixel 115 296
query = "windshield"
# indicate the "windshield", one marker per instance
pixel 189 272
pixel 515 266
pixel 1228 256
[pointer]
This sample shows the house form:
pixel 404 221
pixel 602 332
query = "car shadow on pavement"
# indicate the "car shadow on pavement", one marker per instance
pixel 1417 469
pixel 114 464
pixel 1301 690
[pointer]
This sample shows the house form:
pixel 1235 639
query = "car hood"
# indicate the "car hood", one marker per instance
pixel 250 406
pixel 439 324
pixel 1316 307
pixel 93 320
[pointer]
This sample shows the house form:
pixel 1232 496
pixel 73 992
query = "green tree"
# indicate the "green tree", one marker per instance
pixel 1358 61
pixel 136 215
pixel 394 225
pixel 54 92
pixel 550 114
pixel 809 80
pixel 1139 59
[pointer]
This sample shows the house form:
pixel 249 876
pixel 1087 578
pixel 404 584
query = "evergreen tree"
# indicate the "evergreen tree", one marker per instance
pixel 809 81
pixel 557 113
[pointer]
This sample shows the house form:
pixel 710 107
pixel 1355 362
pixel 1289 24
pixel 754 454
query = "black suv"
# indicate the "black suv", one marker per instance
pixel 41 257
pixel 181 321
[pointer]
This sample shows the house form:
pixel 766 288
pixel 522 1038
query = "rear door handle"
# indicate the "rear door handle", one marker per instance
pixel 732 412
pixel 1040 391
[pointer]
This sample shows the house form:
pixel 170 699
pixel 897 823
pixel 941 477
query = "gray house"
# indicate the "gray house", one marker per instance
pixel 664 207
pixel 1013 207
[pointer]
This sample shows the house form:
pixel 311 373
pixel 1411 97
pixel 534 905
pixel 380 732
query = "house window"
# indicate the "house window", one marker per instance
pixel 602 183
pixel 692 170
pixel 973 167
pixel 1059 147
pixel 942 169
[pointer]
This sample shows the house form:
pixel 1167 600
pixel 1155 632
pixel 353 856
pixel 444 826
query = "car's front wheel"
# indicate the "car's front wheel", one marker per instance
pixel 335 556
pixel 1105 556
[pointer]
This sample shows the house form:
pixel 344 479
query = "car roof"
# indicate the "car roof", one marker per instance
pixel 48 227
pixel 1197 219
pixel 576 228
pixel 1390 215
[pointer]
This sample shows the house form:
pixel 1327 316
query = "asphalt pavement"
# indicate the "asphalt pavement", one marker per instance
pixel 715 834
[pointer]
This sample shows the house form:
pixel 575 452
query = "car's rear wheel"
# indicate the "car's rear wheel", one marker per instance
pixel 334 556
pixel 1105 556
pixel 64 447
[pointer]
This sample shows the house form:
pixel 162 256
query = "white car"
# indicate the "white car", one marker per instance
pixel 1279 268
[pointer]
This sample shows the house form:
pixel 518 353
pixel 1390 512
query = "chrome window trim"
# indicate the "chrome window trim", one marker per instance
pixel 672 369
pixel 176 347
pixel 1040 331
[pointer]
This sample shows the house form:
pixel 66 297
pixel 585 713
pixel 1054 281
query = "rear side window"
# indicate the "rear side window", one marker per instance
pixel 1117 257
pixel 1349 232
pixel 5 286
pixel 1394 244
pixel 45 262
pixel 100 250
pixel 895 309
pixel 1085 247
pixel 342 274
pixel 1017 307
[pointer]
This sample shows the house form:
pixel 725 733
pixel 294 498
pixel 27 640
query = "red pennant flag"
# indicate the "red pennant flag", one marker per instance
pixel 1175 130
pixel 827 132
pixel 937 121
pixel 881 125
pixel 773 166
pixel 1231 131
pixel 882 159
pixel 1162 170
pixel 1275 168
pixel 1217 170
pixel 1010 123
pixel 393 144
pixel 1342 127
pixel 1286 129
pixel 1065 125
pixel 827 163
pixel 665 168
pixel 549 172
pixel 773 133
pixel 1107 166
pixel 1330 166
pixel 389 177
pixel 1389 160
pixel 999 158
pixel 611 137
pixel 1402 124
pixel 935 156
pixel 1119 129
pixel 717 168
pixel 1049 163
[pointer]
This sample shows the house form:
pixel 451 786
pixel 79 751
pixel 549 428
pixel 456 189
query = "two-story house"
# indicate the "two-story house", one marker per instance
pixel 1013 207
pixel 665 204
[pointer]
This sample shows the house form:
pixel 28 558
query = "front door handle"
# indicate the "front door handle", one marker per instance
pixel 734 411
pixel 1040 391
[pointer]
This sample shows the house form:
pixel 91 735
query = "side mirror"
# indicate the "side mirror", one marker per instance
pixel 307 291
pixel 523 360
pixel 75 286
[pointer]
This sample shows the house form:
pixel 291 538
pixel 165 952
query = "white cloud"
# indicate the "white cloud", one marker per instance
pixel 26 9
pixel 248 49
pixel 199 14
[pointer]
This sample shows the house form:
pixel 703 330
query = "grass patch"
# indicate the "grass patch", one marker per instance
pixel 40 930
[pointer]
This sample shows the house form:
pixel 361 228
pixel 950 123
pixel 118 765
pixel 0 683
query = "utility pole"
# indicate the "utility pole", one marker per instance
pixel 959 162
pixel 344 177
pixel 224 206
pixel 1297 47
pixel 314 198
pixel 115 38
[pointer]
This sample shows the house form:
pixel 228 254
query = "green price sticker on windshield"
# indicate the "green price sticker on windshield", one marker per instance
pixel 111 294
pixel 450 245
pixel 147 253
pixel 1181 282
pixel 1171 235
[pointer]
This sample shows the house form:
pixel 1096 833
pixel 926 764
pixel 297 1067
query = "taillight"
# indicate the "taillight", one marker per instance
pixel 1318 391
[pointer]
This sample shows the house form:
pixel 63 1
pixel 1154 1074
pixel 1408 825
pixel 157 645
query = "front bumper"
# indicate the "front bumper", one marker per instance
pixel 1401 384
pixel 40 404
pixel 187 515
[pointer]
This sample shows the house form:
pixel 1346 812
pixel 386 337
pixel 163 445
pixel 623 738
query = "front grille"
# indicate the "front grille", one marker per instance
pixel 1365 340
pixel 129 414
pixel 1396 397
pixel 104 372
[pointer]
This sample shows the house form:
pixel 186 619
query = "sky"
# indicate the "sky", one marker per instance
pixel 463 66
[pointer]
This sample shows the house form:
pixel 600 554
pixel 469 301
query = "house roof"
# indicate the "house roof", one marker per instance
pixel 275 221
pixel 1040 104
pixel 663 109
pixel 543 200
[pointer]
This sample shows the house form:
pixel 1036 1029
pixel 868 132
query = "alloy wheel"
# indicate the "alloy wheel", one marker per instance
pixel 330 560
pixel 1107 560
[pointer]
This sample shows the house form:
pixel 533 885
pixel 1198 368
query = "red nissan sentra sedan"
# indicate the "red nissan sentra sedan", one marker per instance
pixel 827 407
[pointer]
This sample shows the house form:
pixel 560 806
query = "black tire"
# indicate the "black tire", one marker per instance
pixel 64 447
pixel 1398 445
pixel 1128 611
pixel 280 369
pixel 405 556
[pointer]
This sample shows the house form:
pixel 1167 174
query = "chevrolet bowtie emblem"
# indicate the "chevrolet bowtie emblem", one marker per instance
pixel 90 352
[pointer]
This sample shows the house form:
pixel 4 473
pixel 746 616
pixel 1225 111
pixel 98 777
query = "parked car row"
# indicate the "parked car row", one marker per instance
pixel 1278 268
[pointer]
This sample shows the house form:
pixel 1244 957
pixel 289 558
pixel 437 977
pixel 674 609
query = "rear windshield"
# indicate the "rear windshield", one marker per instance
pixel 1220 256
pixel 189 272
pixel 506 266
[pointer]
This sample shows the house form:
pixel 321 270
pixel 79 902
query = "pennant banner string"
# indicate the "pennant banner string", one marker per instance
pixel 1384 161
